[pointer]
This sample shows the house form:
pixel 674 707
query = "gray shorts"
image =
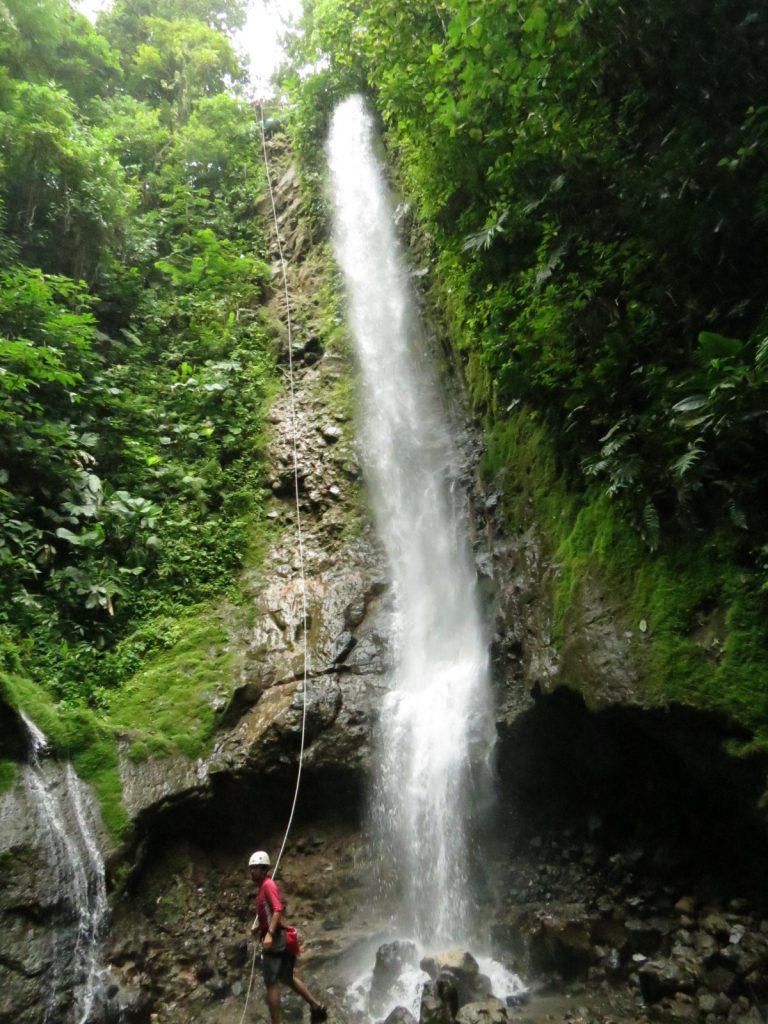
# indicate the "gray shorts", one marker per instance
pixel 277 967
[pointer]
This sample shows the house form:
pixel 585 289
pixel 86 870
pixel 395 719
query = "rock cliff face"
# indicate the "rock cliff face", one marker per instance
pixel 345 623
pixel 52 894
pixel 580 738
pixel 595 657
pixel 604 803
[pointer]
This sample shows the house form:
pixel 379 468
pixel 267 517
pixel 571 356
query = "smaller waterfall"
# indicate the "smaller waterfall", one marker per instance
pixel 77 875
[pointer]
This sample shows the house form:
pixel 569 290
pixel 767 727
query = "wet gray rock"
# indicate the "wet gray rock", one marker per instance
pixel 706 946
pixel 129 1004
pixel 707 1001
pixel 331 433
pixel 742 961
pixel 678 1009
pixel 659 978
pixel 158 781
pixel 749 1016
pixel 722 1005
pixel 563 945
pixel 717 925
pixel 595 659
pixel 400 1015
pixel 720 979
pixel 457 962
pixel 456 971
pixel 646 937
pixel 686 905
pixel 243 698
pixel 489 1011
pixel 439 1002
pixel 391 958
pixel 236 953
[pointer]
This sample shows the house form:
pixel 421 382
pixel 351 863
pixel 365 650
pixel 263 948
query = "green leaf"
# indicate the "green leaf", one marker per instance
pixel 691 404
pixel 717 346
pixel 682 465
pixel 67 535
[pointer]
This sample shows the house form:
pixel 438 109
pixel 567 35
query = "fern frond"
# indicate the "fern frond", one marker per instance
pixel 484 239
pixel 651 525
pixel 737 516
pixel 685 462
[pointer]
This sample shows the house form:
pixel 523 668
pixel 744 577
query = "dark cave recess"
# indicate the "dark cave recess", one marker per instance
pixel 660 779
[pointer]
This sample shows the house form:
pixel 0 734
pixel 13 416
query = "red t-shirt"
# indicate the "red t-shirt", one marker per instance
pixel 268 902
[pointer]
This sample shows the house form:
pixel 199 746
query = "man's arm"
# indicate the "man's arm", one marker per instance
pixel 274 924
pixel 272 896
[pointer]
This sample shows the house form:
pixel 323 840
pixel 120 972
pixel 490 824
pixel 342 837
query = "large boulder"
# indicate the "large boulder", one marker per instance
pixel 459 969
pixel 659 978
pixel 127 1003
pixel 400 1015
pixel 439 1002
pixel 489 1011
pixel 560 944
pixel 391 959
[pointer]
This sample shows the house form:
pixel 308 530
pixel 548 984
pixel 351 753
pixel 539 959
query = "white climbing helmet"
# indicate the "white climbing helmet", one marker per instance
pixel 259 858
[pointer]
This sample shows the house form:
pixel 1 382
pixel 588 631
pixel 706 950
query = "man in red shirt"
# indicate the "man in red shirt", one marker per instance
pixel 276 963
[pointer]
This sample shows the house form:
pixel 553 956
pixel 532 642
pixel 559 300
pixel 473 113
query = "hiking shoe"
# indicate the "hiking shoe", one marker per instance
pixel 318 1014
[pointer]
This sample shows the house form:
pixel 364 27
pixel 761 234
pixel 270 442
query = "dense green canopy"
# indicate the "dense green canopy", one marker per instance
pixel 135 358
pixel 593 177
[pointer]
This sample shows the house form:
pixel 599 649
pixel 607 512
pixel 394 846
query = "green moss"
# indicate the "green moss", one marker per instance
pixel 260 539
pixel 696 618
pixel 340 400
pixel 75 733
pixel 333 328
pixel 8 772
pixel 21 693
pixel 97 764
pixel 170 704
pixel 7 858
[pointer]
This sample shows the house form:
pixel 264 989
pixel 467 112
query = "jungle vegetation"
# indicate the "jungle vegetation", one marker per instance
pixel 589 181
pixel 136 358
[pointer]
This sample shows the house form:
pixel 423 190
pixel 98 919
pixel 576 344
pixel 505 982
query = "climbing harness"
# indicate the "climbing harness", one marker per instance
pixel 300 537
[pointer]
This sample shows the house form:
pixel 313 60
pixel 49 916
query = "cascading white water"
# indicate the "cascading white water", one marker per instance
pixel 77 876
pixel 436 727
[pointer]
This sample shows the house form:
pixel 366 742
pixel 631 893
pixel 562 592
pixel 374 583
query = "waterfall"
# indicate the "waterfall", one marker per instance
pixel 436 727
pixel 77 876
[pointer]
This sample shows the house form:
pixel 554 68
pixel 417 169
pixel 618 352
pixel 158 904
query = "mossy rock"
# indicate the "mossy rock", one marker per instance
pixel 694 619
pixel 77 734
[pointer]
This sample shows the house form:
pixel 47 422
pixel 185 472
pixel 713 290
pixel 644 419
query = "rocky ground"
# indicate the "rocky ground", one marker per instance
pixel 629 934
pixel 183 933
pixel 598 936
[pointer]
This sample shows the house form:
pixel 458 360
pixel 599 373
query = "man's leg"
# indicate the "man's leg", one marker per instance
pixel 301 989
pixel 273 1002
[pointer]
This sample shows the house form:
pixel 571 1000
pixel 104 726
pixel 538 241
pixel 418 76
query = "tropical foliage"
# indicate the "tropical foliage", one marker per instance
pixel 135 354
pixel 589 181
pixel 593 178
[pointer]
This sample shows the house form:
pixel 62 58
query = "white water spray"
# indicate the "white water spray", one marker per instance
pixel 436 728
pixel 77 875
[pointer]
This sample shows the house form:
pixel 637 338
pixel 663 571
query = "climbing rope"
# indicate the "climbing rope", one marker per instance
pixel 300 537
